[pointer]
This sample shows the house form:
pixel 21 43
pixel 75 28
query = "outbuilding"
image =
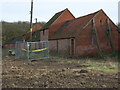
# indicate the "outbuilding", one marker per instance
pixel 87 35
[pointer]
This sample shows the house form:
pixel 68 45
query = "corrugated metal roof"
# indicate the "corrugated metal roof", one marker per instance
pixel 72 27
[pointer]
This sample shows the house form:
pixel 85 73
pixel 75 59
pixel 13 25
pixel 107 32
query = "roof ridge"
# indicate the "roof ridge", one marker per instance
pixel 56 15
pixel 96 13
pixel 89 14
pixel 87 19
pixel 61 11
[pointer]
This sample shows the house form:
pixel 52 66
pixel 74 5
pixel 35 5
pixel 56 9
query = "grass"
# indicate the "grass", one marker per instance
pixel 107 65
pixel 116 54
pixel 5 51
pixel 51 58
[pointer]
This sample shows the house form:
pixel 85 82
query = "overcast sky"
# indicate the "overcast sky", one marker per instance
pixel 19 10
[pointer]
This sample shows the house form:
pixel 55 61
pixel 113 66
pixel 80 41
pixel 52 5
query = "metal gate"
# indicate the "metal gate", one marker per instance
pixel 32 50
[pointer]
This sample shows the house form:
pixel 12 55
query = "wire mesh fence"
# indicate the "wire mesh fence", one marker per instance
pixel 32 50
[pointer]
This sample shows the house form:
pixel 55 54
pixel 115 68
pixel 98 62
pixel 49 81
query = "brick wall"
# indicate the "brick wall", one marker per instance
pixel 83 42
pixel 44 35
pixel 9 46
pixel 101 21
pixel 66 15
pixel 62 45
pixel 53 45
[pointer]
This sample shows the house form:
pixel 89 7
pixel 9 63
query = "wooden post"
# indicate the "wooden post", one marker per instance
pixel 93 37
pixel 97 38
pixel 35 33
pixel 107 36
pixel 31 12
pixel 110 35
pixel 36 28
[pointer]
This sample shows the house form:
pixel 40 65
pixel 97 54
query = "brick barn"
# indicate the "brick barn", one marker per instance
pixel 10 44
pixel 53 24
pixel 86 35
pixel 35 28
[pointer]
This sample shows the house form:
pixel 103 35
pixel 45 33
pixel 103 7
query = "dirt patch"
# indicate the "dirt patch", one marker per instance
pixel 54 74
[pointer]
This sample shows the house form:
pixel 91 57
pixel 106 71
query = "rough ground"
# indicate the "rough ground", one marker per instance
pixel 56 73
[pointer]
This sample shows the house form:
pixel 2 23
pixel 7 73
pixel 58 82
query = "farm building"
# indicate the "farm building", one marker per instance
pixel 86 35
pixel 55 22
pixel 35 27
pixel 11 43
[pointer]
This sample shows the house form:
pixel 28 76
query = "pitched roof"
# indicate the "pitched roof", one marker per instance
pixel 47 25
pixel 72 27
pixel 34 28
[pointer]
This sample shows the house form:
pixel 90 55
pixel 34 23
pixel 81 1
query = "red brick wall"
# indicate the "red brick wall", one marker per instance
pixel 115 36
pixel 66 15
pixel 53 28
pixel 9 46
pixel 45 36
pixel 83 42
pixel 101 28
pixel 34 28
pixel 53 45
pixel 63 46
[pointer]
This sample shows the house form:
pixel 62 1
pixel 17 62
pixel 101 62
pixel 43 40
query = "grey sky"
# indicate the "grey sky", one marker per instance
pixel 119 12
pixel 18 10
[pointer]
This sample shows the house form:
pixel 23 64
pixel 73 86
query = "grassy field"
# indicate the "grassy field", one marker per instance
pixel 60 72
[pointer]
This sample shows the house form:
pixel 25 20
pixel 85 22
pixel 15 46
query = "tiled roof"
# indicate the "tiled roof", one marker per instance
pixel 72 27
pixel 47 25
pixel 34 28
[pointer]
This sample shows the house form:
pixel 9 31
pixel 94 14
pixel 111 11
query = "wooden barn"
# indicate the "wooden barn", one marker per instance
pixel 86 35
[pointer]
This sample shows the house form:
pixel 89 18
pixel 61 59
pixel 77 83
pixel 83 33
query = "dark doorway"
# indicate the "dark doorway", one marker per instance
pixel 72 46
